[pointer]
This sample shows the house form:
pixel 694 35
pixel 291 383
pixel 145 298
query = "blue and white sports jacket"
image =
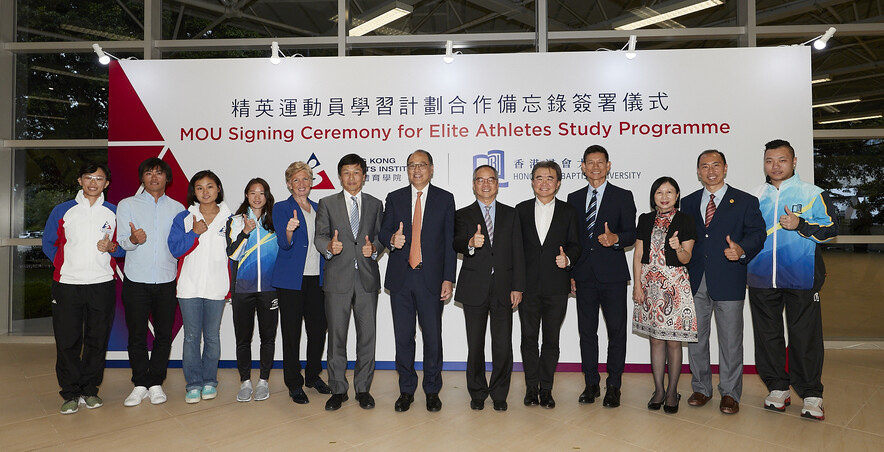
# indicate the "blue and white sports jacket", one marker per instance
pixel 253 255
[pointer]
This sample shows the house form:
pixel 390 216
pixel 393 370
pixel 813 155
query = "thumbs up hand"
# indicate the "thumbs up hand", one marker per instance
pixel 674 242
pixel 293 222
pixel 249 225
pixel 335 245
pixel 398 238
pixel 478 239
pixel 608 238
pixel 137 236
pixel 734 251
pixel 367 249
pixel 199 226
pixel 789 220
pixel 104 245
pixel 561 258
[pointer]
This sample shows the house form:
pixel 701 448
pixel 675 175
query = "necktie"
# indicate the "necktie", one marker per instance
pixel 354 218
pixel 414 255
pixel 710 209
pixel 489 224
pixel 590 214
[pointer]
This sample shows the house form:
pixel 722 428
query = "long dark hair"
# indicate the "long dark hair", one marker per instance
pixel 266 211
pixel 656 185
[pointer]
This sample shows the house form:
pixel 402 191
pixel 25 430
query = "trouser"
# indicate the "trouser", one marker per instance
pixel 729 324
pixel 611 297
pixel 295 306
pixel 499 309
pixel 541 314
pixel 245 307
pixel 155 303
pixel 82 317
pixel 338 307
pixel 415 300
pixel 202 321
pixel 804 320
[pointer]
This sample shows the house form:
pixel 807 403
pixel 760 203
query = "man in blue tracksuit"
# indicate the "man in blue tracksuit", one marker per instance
pixel 789 272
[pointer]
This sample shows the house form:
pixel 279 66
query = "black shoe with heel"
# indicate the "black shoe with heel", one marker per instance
pixel 672 409
pixel 652 405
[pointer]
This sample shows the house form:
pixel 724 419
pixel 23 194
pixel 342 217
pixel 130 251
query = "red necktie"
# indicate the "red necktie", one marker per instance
pixel 710 209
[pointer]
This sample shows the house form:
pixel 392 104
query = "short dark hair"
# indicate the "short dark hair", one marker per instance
pixel 779 144
pixel 91 167
pixel 711 151
pixel 548 164
pixel 154 163
pixel 352 159
pixel 267 210
pixel 656 185
pixel 191 192
pixel 429 157
pixel 594 149
pixel 476 171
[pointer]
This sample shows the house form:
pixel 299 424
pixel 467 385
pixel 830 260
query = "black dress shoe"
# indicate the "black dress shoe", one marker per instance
pixel 612 397
pixel 365 400
pixel 298 396
pixel 477 404
pixel 531 397
pixel 652 405
pixel 500 405
pixel 403 403
pixel 546 399
pixel 589 394
pixel 319 386
pixel 434 403
pixel 335 401
pixel 672 409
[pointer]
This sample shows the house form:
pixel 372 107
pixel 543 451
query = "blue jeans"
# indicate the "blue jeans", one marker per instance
pixel 202 320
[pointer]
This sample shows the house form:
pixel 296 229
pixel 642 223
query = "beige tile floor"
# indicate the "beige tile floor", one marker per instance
pixel 30 420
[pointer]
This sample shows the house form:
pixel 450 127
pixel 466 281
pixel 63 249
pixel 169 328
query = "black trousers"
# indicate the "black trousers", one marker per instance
pixel 804 320
pixel 499 308
pixel 82 317
pixel 611 298
pixel 548 313
pixel 158 304
pixel 245 307
pixel 415 300
pixel 295 306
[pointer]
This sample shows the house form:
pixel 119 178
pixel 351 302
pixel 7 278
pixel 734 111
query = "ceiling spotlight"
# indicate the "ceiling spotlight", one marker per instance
pixel 103 57
pixel 449 54
pixel 630 48
pixel 820 42
pixel 274 52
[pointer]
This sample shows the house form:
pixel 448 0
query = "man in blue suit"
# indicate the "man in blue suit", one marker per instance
pixel 418 228
pixel 731 231
pixel 607 226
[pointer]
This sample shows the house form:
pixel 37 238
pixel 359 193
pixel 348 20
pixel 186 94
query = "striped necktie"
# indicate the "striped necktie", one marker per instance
pixel 354 218
pixel 590 214
pixel 710 209
pixel 489 224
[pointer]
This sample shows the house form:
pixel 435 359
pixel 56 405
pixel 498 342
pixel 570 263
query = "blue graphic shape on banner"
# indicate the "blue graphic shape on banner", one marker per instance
pixel 495 159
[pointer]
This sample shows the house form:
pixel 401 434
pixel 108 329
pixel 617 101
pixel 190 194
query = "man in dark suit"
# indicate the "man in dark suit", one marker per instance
pixel 599 278
pixel 418 227
pixel 347 225
pixel 551 244
pixel 731 231
pixel 491 282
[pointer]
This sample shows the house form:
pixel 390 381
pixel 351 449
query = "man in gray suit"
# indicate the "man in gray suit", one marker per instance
pixel 347 225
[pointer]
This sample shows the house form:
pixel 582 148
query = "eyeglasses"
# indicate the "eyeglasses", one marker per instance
pixel 416 166
pixel 483 180
pixel 94 178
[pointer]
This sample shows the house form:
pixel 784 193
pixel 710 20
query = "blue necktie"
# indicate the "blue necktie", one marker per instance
pixel 590 214
pixel 354 218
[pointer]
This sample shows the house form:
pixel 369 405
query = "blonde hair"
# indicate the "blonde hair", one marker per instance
pixel 296 168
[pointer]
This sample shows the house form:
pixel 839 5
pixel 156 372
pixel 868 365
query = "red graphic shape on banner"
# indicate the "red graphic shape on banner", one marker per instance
pixel 324 182
pixel 128 120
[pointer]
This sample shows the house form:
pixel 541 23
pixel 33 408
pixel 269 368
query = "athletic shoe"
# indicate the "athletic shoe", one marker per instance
pixel 778 400
pixel 157 395
pixel 136 396
pixel 192 396
pixel 813 408
pixel 262 391
pixel 93 401
pixel 209 392
pixel 245 392
pixel 70 406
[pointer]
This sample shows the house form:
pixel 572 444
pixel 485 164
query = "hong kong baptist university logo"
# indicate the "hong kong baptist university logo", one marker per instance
pixel 495 159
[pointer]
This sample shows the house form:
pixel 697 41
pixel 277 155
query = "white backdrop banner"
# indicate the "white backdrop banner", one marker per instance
pixel 249 118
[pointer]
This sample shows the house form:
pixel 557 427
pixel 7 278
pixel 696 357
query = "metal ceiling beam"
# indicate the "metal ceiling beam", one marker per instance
pixel 661 34
pixel 799 31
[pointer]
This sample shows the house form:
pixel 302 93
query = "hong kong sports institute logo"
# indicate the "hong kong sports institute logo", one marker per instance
pixel 322 180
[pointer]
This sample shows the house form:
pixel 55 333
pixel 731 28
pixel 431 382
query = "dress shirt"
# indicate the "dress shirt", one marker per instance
pixel 311 264
pixel 493 214
pixel 423 202
pixel 150 262
pixel 349 200
pixel 598 197
pixel 543 215
pixel 704 199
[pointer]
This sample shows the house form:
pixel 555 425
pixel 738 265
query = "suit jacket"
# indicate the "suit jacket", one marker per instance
pixel 542 276
pixel 288 271
pixel 505 255
pixel 608 264
pixel 437 235
pixel 332 215
pixel 737 215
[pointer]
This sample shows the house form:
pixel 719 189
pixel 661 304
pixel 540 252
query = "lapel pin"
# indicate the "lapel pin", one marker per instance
pixel 732 200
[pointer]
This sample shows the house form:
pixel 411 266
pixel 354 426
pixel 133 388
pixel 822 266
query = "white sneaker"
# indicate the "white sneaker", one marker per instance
pixel 262 391
pixel 778 400
pixel 813 408
pixel 245 392
pixel 136 396
pixel 157 396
